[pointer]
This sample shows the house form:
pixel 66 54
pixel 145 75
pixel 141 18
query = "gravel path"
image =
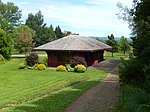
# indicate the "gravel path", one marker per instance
pixel 102 97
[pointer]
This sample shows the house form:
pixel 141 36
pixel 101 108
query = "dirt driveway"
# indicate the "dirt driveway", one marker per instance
pixel 102 97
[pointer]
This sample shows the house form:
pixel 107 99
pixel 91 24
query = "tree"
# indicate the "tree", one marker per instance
pixel 9 16
pixel 48 35
pixel 113 43
pixel 58 32
pixel 5 44
pixel 124 45
pixel 140 25
pixel 24 38
pixel 141 30
pixel 43 34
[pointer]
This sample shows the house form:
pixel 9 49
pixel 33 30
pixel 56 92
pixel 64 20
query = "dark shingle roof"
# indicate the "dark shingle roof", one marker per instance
pixel 74 43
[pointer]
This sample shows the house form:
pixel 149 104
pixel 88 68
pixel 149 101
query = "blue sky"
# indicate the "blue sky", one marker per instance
pixel 86 17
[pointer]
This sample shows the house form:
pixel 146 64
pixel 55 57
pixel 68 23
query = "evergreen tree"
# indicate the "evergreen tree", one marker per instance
pixel 137 70
pixel 141 30
pixel 58 32
pixel 43 34
pixel 113 43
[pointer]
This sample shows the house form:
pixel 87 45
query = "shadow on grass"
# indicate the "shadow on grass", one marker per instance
pixel 58 101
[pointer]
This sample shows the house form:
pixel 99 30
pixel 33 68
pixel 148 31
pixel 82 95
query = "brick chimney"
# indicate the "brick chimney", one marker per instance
pixel 69 33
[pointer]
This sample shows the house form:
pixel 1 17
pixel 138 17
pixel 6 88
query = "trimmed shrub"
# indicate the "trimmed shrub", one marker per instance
pixel 69 68
pixel 61 68
pixel 41 67
pixel 32 59
pixel 80 68
pixel 78 60
pixel 22 65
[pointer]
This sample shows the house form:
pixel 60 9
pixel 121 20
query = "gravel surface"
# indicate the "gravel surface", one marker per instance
pixel 103 96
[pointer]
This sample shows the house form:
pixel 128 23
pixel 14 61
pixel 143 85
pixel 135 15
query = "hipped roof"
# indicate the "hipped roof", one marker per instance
pixel 74 43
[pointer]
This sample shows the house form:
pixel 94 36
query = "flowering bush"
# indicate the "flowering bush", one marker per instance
pixel 41 67
pixel 61 68
pixel 78 60
pixel 80 68
pixel 32 59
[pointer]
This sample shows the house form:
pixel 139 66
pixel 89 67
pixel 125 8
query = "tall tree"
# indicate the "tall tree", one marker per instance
pixel 5 44
pixel 124 45
pixel 9 16
pixel 137 70
pixel 35 21
pixel 141 30
pixel 24 41
pixel 113 43
pixel 43 34
pixel 58 32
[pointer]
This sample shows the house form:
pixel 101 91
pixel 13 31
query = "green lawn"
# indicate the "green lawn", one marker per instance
pixel 116 56
pixel 42 91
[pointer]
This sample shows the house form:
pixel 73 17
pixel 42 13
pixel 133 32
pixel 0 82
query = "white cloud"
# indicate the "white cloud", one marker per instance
pixel 93 17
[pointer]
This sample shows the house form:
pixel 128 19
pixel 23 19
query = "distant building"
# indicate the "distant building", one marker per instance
pixel 62 50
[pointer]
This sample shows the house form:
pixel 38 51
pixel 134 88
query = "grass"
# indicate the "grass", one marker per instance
pixel 133 99
pixel 116 56
pixel 42 91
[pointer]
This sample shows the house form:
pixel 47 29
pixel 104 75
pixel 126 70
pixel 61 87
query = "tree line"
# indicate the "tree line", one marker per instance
pixel 23 37
pixel 123 45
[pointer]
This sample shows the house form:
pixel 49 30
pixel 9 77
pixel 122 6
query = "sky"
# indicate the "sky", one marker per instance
pixel 86 17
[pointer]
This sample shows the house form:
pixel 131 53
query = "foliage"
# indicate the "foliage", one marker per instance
pixel 124 45
pixel 41 67
pixel 58 32
pixel 80 68
pixel 140 26
pixel 113 43
pixel 78 60
pixel 22 65
pixel 131 72
pixel 69 68
pixel 32 59
pixel 133 100
pixel 61 68
pixel 5 44
pixel 141 30
pixel 54 91
pixel 45 60
pixel 9 16
pixel 24 36
pixel 43 34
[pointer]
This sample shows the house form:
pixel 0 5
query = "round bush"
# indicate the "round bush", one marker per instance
pixel 22 65
pixel 80 68
pixel 32 59
pixel 61 68
pixel 41 67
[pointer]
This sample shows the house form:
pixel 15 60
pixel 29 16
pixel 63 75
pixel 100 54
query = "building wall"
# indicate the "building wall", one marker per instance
pixel 56 58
